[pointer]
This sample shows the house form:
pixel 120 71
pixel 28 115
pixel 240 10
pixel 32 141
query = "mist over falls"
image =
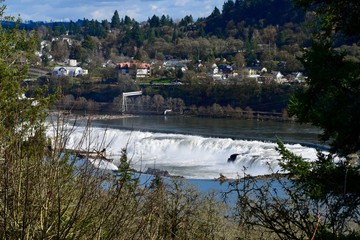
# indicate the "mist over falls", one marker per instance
pixel 189 156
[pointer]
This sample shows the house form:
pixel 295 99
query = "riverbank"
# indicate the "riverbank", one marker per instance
pixel 191 111
pixel 88 116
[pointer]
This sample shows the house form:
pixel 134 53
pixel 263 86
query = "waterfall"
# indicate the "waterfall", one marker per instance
pixel 189 156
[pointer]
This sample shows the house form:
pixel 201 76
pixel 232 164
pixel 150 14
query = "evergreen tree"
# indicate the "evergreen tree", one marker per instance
pixel 74 28
pixel 165 20
pixel 151 37
pixel 88 43
pixel 215 13
pixel 332 101
pixel 115 20
pixel 228 6
pixel 106 25
pixel 137 35
pixel 202 32
pixel 335 16
pixel 237 4
pixel 174 35
pixel 186 20
pixel 77 53
pixel 127 20
pixel 154 21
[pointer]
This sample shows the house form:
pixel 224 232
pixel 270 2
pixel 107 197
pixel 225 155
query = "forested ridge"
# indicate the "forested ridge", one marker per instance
pixel 243 35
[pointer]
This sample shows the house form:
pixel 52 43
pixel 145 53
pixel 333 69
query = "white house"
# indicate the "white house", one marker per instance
pixel 72 62
pixel 300 78
pixel 68 71
pixel 176 64
pixel 279 78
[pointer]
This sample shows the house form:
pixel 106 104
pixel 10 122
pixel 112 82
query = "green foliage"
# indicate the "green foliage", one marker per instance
pixel 280 207
pixel 260 97
pixel 259 13
pixel 331 101
pixel 215 13
pixel 335 16
pixel 78 53
pixel 314 200
pixel 16 48
pixel 124 168
pixel 94 28
pixel 154 21
pixel 127 21
pixel 290 161
pixel 74 28
pixel 115 20
pixel 88 43
pixel 178 211
pixel 201 39
pixel 323 178
pixel 137 36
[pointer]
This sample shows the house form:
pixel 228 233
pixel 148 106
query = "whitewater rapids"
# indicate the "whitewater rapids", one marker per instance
pixel 190 156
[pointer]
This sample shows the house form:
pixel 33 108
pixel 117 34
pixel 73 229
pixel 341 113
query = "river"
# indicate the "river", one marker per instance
pixel 198 148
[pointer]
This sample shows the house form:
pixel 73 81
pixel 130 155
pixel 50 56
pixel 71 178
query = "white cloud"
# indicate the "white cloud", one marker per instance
pixel 153 7
pixel 181 3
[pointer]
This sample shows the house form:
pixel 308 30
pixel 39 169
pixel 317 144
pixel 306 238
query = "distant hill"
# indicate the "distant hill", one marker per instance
pixel 257 13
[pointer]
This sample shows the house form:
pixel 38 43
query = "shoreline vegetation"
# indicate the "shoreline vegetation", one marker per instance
pixel 240 114
pixel 88 116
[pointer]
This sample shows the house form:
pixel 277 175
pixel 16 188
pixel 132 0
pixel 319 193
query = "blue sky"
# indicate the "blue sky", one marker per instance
pixel 140 10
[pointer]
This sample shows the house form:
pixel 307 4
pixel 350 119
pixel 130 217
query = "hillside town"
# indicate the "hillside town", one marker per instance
pixel 238 62
pixel 220 70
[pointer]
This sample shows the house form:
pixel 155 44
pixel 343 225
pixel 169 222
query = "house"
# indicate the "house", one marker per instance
pixel 175 64
pixel 217 77
pixel 279 78
pixel 137 70
pixel 143 70
pixel 68 71
pixel 225 69
pixel 221 72
pixel 300 78
pixel 254 70
pixel 72 62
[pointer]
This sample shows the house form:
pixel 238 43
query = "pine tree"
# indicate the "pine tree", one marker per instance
pixel 332 101
pixel 115 20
